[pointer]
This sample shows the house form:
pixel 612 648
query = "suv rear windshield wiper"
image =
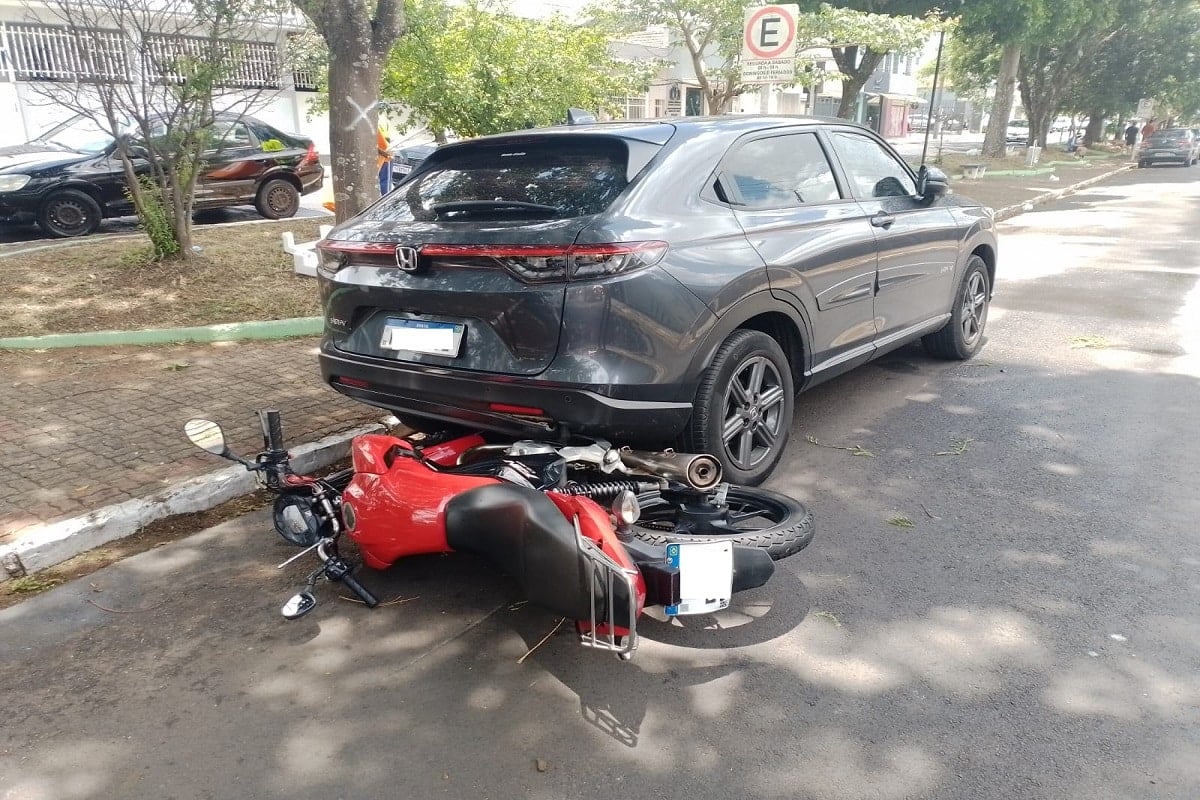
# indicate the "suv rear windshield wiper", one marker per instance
pixel 468 206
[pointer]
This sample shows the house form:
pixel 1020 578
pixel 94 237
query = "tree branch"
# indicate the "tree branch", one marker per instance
pixel 387 26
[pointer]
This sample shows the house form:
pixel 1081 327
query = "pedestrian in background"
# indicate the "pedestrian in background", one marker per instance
pixel 1131 135
pixel 1148 129
pixel 385 162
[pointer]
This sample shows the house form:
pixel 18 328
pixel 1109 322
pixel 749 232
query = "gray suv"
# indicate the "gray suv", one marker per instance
pixel 653 283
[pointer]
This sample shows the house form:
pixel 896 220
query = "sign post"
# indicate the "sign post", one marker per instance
pixel 769 44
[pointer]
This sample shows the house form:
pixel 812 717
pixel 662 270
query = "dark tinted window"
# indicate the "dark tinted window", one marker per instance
pixel 787 170
pixel 872 171
pixel 1172 135
pixel 550 178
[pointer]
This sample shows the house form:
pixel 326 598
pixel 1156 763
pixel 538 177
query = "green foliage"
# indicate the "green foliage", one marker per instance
pixel 32 584
pixel 1154 53
pixel 154 217
pixel 473 71
pixel 711 33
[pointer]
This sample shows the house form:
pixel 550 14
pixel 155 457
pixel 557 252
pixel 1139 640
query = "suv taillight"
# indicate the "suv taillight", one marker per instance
pixel 539 263
pixel 533 263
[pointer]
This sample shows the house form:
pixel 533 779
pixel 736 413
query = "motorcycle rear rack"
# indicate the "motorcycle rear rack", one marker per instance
pixel 601 565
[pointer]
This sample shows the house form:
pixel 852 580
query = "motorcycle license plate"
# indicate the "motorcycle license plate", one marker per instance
pixel 422 336
pixel 705 576
pixel 403 169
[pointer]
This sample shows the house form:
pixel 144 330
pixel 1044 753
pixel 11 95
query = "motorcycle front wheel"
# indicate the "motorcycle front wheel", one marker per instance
pixel 750 516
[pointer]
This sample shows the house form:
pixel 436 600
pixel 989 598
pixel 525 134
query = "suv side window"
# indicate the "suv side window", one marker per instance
pixel 873 171
pixel 780 171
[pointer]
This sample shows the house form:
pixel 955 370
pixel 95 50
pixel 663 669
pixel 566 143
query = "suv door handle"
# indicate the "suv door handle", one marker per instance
pixel 881 219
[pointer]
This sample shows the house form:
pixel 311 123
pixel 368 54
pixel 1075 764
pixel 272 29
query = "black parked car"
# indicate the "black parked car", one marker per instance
pixel 652 282
pixel 70 177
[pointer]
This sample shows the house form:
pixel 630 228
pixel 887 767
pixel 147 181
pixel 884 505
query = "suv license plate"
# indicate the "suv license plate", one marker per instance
pixel 705 576
pixel 420 336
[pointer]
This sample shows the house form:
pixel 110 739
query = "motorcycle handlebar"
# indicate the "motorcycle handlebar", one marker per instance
pixel 272 429
pixel 363 593
pixel 337 569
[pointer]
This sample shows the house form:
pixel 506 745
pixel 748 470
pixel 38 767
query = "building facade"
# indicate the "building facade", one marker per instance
pixel 41 58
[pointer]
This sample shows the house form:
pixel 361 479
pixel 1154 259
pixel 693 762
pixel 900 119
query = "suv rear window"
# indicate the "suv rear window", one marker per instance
pixel 1170 136
pixel 550 178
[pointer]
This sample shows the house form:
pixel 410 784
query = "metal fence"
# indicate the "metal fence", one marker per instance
pixel 59 53
pixel 246 65
pixel 52 53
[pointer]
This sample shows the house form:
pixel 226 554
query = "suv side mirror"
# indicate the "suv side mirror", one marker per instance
pixel 932 182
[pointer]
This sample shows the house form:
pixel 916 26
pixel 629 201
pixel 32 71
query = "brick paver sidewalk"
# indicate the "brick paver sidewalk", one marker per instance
pixel 83 428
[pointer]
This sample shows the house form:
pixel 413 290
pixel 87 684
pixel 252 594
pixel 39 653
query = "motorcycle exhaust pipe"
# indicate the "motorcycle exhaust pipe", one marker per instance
pixel 698 470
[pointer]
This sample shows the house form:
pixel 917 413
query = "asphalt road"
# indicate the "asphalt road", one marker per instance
pixel 1034 634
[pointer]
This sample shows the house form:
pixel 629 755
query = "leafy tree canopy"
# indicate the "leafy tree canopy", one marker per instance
pixel 473 70
pixel 711 33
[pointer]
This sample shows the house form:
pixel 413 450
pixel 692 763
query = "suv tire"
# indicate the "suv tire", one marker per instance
pixel 962 335
pixel 743 409
pixel 68 213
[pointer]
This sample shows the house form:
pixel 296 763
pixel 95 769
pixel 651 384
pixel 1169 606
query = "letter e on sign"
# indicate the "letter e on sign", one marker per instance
pixel 770 32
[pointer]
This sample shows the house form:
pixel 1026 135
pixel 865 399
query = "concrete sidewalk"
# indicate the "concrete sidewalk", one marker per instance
pixel 84 429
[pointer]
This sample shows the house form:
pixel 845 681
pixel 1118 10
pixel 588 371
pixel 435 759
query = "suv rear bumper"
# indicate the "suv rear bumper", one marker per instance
pixel 472 401
pixel 1173 158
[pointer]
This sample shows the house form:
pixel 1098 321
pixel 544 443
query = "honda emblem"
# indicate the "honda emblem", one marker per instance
pixel 407 258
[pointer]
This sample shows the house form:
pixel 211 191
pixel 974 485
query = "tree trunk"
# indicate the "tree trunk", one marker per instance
pixel 1040 97
pixel 856 75
pixel 994 145
pixel 353 122
pixel 1095 128
pixel 358 46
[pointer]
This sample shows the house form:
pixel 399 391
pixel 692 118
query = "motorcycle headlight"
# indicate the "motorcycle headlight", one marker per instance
pixel 11 183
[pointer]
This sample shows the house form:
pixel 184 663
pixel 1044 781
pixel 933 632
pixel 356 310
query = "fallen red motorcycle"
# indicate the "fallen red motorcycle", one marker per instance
pixel 590 532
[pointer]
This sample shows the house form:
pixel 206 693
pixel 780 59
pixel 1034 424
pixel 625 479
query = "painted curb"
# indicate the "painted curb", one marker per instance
pixel 52 544
pixel 225 332
pixel 1011 211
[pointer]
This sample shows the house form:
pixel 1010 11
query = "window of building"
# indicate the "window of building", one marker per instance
pixel 630 106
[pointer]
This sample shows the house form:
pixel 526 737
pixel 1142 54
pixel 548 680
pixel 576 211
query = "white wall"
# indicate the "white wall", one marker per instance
pixel 26 111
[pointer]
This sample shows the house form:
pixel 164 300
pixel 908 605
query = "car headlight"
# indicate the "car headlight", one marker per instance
pixel 11 183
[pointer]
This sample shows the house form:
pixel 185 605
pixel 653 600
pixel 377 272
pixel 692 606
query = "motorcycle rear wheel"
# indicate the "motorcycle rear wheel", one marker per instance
pixel 751 517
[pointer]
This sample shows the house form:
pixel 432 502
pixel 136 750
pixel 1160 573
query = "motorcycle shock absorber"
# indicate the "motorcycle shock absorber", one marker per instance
pixel 605 490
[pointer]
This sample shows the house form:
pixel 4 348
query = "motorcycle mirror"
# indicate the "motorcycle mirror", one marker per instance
pixel 299 605
pixel 207 435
